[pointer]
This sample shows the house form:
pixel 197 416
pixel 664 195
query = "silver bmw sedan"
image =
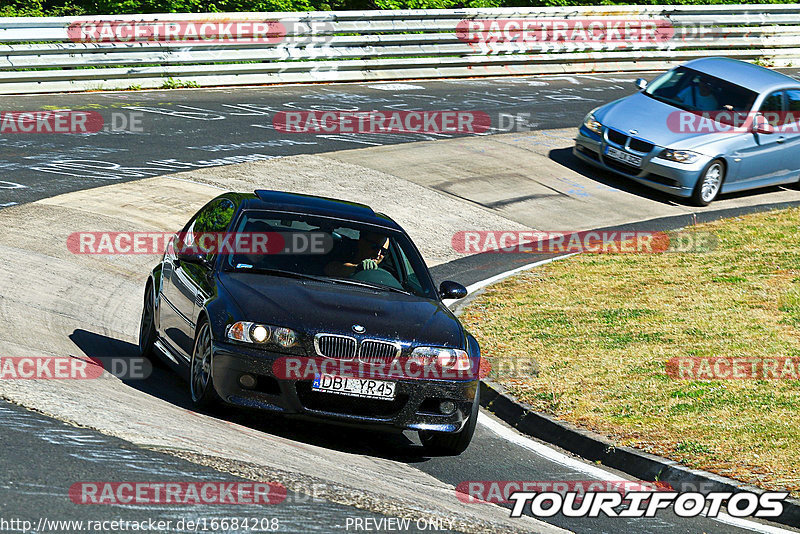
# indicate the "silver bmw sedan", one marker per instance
pixel 710 126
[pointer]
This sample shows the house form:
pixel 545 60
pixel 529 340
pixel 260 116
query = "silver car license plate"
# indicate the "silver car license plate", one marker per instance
pixel 626 157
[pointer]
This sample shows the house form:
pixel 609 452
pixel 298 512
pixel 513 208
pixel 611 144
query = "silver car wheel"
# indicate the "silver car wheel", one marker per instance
pixel 712 179
pixel 201 364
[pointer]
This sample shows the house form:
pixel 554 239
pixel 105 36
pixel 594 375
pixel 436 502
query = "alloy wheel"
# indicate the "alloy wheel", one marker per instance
pixel 147 325
pixel 712 179
pixel 201 364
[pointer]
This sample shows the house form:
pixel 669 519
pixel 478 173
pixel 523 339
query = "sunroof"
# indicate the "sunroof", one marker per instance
pixel 311 202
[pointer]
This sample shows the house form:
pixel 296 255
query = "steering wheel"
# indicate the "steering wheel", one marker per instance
pixel 377 276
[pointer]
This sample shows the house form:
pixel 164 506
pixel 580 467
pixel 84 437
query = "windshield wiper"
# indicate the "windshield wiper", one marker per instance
pixel 276 272
pixel 369 285
pixel 668 101
pixel 300 276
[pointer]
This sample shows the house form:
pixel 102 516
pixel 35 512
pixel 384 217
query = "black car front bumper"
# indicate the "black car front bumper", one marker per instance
pixel 415 406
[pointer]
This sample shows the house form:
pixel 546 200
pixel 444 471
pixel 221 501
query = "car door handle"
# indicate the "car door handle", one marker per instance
pixel 781 139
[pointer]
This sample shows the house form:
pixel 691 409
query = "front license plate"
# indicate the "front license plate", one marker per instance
pixel 621 155
pixel 354 387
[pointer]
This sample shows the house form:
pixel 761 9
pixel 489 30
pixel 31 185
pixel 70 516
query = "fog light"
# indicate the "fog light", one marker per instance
pixel 447 407
pixel 247 381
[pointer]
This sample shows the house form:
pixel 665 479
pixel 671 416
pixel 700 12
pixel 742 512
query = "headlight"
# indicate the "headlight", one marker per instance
pixel 592 124
pixel 448 359
pixel 681 156
pixel 285 337
pixel 247 332
pixel 259 333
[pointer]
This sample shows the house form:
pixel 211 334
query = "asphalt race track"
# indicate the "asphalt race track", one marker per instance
pixel 64 452
pixel 434 185
pixel 160 132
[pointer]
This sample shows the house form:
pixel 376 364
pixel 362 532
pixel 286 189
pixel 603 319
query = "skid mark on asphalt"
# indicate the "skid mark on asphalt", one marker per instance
pixel 66 455
pixel 79 443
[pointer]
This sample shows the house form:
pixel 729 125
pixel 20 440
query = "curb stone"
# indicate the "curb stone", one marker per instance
pixel 594 447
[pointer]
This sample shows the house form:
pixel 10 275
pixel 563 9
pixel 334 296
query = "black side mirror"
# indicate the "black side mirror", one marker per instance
pixel 188 253
pixel 452 290
pixel 192 257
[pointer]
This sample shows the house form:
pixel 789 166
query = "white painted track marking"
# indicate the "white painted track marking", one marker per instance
pixel 396 87
pixel 483 283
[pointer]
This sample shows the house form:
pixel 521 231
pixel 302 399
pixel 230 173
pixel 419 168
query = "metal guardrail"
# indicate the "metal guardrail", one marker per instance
pixel 51 54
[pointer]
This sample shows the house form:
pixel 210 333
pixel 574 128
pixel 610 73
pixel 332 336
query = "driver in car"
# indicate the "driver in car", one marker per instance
pixel 370 252
pixel 699 95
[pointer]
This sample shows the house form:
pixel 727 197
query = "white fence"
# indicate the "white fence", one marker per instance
pixel 52 54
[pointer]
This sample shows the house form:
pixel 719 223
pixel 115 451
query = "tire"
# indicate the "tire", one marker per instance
pixel 201 382
pixel 709 183
pixel 147 328
pixel 452 443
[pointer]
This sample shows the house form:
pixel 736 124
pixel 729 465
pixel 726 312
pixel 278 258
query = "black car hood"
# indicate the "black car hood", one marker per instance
pixel 310 307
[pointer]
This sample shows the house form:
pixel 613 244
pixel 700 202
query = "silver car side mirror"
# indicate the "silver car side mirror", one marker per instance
pixel 761 125
pixel 641 84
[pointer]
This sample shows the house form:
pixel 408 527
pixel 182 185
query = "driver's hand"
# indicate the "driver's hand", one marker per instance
pixel 369 264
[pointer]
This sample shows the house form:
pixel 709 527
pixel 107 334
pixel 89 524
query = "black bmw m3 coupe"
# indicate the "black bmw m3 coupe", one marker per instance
pixel 313 307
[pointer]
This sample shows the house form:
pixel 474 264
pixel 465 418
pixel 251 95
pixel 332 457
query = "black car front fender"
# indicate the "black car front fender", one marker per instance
pixel 220 313
pixel 474 351
pixel 155 278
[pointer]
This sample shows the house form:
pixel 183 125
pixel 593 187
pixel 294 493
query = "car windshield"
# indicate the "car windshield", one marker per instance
pixel 328 249
pixel 692 90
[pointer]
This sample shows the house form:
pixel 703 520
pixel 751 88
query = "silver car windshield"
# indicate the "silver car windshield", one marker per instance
pixel 692 90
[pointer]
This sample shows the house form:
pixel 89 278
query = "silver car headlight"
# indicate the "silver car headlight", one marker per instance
pixel 248 332
pixel 681 156
pixel 592 124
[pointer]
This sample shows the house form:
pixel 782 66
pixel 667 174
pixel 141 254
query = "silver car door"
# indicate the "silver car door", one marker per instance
pixel 791 133
pixel 757 157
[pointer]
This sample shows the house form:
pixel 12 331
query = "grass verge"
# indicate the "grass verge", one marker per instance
pixel 602 327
